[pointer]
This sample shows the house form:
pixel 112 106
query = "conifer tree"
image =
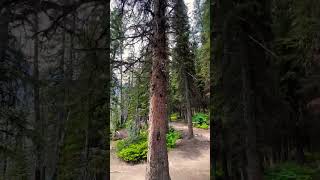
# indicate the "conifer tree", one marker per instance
pixel 184 59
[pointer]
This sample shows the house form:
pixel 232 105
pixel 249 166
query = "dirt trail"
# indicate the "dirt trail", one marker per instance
pixel 190 160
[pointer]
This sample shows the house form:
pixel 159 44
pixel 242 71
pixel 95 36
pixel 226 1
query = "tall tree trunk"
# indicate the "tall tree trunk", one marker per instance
pixel 225 157
pixel 36 90
pixel 157 159
pixel 188 107
pixel 4 36
pixel 5 159
pixel 62 113
pixel 4 33
pixel 137 117
pixel 299 140
pixel 67 79
pixel 121 93
pixel 185 115
pixel 216 38
pixel 254 169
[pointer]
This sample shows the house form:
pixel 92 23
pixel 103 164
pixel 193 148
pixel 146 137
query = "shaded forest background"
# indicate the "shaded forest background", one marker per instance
pixel 54 64
pixel 265 89
pixel 264 86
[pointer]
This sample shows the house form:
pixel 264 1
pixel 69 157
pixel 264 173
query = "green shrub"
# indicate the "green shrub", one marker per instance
pixel 312 157
pixel 133 150
pixel 289 171
pixel 202 126
pixel 200 120
pixel 174 116
pixel 172 137
pixel 121 144
pixel 144 135
pixel 136 150
pixel 219 172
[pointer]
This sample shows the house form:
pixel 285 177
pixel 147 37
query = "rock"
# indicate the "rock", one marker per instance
pixel 178 141
pixel 121 134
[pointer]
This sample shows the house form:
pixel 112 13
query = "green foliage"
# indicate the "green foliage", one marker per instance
pixel 290 171
pixel 133 131
pixel 202 126
pixel 203 52
pixel 121 144
pixel 183 84
pixel 85 129
pixel 114 121
pixel 174 116
pixel 219 172
pixel 172 137
pixel 137 100
pixel 19 169
pixel 135 150
pixel 312 157
pixel 200 120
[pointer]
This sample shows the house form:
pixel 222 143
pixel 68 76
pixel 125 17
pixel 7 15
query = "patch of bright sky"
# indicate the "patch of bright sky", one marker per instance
pixel 189 4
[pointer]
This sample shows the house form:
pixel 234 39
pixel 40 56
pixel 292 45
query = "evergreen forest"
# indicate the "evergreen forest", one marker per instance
pixel 159 89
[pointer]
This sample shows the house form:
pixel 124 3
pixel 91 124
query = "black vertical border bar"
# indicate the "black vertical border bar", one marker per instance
pixel 212 125
pixel 108 83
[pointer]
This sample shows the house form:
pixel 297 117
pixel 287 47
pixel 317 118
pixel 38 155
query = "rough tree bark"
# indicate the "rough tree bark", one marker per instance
pixel 188 107
pixel 253 169
pixel 59 136
pixel 215 36
pixel 4 36
pixel 157 159
pixel 121 92
pixel 38 126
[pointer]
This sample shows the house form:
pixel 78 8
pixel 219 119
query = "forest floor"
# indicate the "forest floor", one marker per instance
pixel 189 160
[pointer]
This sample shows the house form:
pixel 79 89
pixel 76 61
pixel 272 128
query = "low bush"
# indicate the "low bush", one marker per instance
pixel 313 158
pixel 200 120
pixel 174 117
pixel 121 144
pixel 172 137
pixel 202 126
pixel 136 150
pixel 289 171
pixel 219 172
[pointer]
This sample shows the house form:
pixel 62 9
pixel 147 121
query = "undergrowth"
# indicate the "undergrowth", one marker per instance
pixel 200 120
pixel 135 151
pixel 290 171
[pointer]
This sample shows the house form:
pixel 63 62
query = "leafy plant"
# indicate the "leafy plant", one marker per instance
pixel 219 172
pixel 290 171
pixel 174 117
pixel 121 144
pixel 200 120
pixel 202 126
pixel 172 137
pixel 135 150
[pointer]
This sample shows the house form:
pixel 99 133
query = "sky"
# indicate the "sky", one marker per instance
pixel 189 4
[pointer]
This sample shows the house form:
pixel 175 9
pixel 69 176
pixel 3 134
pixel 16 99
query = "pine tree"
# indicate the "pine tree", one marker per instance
pixel 184 59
